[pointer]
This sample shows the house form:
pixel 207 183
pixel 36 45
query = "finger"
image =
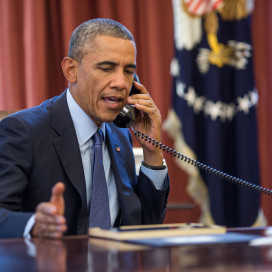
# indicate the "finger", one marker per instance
pixel 140 87
pixel 50 228
pixel 52 235
pixel 45 226
pixel 142 102
pixel 46 208
pixel 57 197
pixel 49 234
pixel 147 107
pixel 142 99
pixel 40 230
pixel 49 218
pixel 57 191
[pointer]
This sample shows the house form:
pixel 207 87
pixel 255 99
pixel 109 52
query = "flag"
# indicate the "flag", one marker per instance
pixel 214 99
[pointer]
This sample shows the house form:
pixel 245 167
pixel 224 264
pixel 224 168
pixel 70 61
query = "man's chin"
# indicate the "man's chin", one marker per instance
pixel 109 119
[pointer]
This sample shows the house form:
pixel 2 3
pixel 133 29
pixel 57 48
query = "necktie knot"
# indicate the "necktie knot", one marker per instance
pixel 98 137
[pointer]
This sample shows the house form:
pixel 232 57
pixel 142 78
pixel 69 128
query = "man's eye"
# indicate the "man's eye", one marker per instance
pixel 106 69
pixel 129 72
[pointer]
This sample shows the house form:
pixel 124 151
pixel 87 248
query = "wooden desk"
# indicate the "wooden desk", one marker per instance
pixel 83 254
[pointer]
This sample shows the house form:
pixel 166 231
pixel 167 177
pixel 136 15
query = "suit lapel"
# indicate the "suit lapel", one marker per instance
pixel 66 145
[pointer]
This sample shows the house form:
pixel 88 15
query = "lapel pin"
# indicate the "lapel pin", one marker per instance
pixel 117 148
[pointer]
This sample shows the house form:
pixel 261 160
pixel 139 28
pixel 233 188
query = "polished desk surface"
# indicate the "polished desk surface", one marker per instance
pixel 80 253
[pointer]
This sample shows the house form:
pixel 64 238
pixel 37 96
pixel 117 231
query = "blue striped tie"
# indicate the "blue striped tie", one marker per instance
pixel 99 210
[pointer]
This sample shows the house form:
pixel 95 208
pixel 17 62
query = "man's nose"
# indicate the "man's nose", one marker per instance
pixel 119 81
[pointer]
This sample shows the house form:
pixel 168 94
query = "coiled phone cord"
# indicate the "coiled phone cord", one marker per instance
pixel 203 166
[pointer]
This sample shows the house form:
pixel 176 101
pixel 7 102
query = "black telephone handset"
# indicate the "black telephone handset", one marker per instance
pixel 126 118
pixel 127 115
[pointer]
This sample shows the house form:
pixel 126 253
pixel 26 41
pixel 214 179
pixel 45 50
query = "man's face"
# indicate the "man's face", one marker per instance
pixel 104 78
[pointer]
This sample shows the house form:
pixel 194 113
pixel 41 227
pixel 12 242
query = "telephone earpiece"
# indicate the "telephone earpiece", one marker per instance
pixel 127 115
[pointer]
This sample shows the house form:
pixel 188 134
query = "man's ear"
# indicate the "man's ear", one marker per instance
pixel 69 68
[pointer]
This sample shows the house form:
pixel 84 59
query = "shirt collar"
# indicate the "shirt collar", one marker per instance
pixel 85 127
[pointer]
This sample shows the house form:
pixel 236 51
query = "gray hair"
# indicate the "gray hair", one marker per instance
pixel 83 37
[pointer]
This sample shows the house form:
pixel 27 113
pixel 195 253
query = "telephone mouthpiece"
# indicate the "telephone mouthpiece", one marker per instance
pixel 126 117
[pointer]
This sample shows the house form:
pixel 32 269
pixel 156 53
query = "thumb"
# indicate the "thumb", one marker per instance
pixel 57 197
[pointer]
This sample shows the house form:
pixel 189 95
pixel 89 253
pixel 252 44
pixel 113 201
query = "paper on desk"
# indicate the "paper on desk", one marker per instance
pixel 268 231
pixel 262 241
pixel 126 233
pixel 197 239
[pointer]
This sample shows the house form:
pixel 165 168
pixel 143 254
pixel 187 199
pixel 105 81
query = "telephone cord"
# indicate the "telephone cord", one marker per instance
pixel 203 166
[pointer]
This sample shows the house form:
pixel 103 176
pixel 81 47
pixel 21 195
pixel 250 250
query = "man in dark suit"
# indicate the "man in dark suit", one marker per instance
pixel 46 151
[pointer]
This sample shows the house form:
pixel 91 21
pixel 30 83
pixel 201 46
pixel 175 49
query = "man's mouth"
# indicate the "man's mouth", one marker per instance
pixel 113 102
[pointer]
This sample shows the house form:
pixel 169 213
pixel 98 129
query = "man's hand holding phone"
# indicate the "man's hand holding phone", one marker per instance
pixel 148 121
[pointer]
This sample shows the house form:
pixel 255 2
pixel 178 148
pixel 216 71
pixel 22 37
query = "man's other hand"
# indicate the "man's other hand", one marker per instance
pixel 49 219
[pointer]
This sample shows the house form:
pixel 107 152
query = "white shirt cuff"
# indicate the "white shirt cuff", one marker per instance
pixel 29 225
pixel 156 176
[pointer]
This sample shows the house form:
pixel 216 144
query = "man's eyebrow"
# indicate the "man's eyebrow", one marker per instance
pixel 111 63
pixel 132 65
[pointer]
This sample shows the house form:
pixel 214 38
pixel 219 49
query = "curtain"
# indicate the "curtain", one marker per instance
pixel 34 37
pixel 262 44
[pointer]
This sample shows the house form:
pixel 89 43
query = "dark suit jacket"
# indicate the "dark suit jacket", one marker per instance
pixel 39 147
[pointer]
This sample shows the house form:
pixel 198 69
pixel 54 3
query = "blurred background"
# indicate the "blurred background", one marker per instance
pixel 34 38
